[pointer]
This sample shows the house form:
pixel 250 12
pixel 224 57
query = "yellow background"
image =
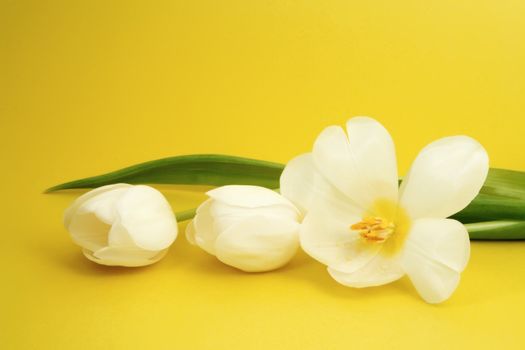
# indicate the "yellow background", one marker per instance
pixel 88 87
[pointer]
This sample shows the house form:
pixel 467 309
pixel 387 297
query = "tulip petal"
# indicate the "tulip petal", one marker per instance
pixel 362 164
pixel 119 237
pixel 445 177
pixel 258 244
pixel 247 196
pixel 112 256
pixel 304 185
pixel 190 232
pixel 72 209
pixel 88 231
pixel 89 221
pixel 227 215
pixel 103 205
pixel 148 218
pixel 435 253
pixel 203 224
pixel 377 271
pixel 326 236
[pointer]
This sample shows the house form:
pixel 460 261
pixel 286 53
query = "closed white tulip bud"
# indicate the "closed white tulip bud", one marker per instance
pixel 248 227
pixel 122 225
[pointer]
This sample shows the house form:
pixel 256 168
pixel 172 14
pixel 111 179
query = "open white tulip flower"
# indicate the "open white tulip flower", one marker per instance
pixel 248 227
pixel 122 225
pixel 368 231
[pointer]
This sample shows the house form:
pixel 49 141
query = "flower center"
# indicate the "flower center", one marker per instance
pixel 374 229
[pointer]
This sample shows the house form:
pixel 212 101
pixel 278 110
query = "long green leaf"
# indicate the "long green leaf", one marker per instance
pixel 199 169
pixel 496 230
pixel 218 170
pixel 505 183
pixel 492 207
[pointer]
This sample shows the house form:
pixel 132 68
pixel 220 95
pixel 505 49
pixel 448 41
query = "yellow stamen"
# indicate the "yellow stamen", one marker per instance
pixel 374 229
pixel 386 223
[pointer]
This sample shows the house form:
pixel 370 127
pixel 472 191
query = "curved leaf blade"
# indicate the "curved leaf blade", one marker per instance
pixel 505 183
pixel 199 169
pixel 496 230
pixel 492 207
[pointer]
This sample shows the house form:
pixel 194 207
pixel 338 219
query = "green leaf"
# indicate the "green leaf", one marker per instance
pixel 496 230
pixel 492 207
pixel 218 170
pixel 505 183
pixel 199 169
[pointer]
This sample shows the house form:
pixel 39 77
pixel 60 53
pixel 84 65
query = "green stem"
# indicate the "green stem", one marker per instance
pixel 186 214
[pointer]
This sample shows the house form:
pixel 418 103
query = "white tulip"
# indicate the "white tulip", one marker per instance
pixel 122 225
pixel 248 227
pixel 370 232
